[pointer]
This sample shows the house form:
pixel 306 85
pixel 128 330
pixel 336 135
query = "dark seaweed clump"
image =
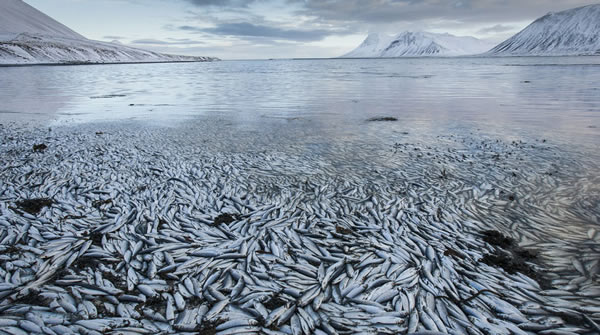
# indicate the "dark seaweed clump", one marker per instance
pixel 453 253
pixel 382 118
pixel 32 298
pixel 512 258
pixel 209 327
pixel 99 203
pixel 274 303
pixel 34 206
pixel 343 230
pixel 39 147
pixel 496 238
pixel 224 218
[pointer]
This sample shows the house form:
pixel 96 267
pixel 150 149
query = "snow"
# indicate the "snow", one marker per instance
pixel 32 49
pixel 374 44
pixel 28 36
pixel 571 32
pixel 418 44
pixel 17 17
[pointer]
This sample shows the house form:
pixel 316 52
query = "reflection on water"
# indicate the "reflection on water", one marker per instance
pixel 555 97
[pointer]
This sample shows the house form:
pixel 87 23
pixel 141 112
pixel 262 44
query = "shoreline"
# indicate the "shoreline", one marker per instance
pixel 108 63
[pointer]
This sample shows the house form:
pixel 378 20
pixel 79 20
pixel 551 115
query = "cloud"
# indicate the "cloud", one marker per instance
pixel 110 37
pixel 150 41
pixel 245 50
pixel 227 24
pixel 468 11
pixel 250 30
pixel 499 28
pixel 389 11
pixel 221 3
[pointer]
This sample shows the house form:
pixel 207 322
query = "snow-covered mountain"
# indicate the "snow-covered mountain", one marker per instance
pixel 571 32
pixel 418 44
pixel 28 36
pixel 372 46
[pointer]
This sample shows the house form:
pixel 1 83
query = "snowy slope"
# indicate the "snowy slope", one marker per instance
pixel 373 45
pixel 571 32
pixel 28 36
pixel 418 44
pixel 35 49
pixel 17 17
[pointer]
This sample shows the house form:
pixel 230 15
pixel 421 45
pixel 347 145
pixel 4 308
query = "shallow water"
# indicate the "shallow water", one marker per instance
pixel 548 97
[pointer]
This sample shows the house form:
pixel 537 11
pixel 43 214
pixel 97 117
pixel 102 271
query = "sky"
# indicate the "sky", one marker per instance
pixel 262 29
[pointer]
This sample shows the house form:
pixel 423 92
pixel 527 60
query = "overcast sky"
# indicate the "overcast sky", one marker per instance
pixel 251 29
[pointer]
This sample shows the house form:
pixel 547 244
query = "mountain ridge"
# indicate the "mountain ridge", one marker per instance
pixel 418 44
pixel 571 32
pixel 18 17
pixel 28 36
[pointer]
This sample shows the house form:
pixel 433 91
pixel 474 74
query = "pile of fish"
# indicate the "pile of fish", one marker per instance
pixel 143 232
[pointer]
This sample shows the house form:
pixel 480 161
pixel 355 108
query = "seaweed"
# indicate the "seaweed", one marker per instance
pixel 117 281
pixel 32 298
pixel 343 230
pixel 453 253
pixel 34 206
pixel 94 236
pixel 84 262
pixel 209 327
pixel 505 261
pixel 496 238
pixel 382 119
pixel 108 96
pixel 274 303
pixel 39 147
pixel 102 310
pixel 194 302
pixel 156 304
pixel 225 218
pixel 99 203
pixel 511 258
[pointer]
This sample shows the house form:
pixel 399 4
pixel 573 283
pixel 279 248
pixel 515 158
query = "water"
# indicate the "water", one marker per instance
pixel 549 97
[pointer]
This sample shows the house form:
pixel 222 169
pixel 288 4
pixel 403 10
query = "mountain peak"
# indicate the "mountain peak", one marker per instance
pixel 574 31
pixel 17 17
pixel 418 44
pixel 28 36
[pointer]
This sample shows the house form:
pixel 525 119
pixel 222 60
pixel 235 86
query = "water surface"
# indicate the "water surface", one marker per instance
pixel 554 97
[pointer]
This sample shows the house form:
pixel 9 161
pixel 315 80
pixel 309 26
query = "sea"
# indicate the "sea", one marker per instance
pixel 550 97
